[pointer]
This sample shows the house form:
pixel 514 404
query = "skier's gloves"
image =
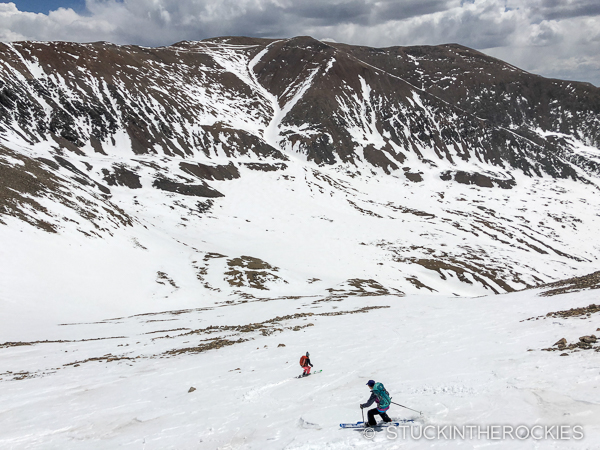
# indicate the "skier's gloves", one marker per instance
pixel 362 406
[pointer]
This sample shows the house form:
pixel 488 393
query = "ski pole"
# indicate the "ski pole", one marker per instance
pixel 407 407
pixel 363 414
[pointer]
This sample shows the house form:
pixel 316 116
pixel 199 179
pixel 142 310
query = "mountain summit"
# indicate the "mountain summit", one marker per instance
pixel 266 168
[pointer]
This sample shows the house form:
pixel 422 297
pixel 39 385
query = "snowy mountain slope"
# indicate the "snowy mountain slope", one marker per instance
pixel 244 167
pixel 169 216
pixel 125 381
pixel 330 104
pixel 479 84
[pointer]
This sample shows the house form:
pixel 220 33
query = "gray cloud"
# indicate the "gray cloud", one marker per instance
pixel 546 33
pixel 394 10
pixel 323 13
pixel 565 9
pixel 549 37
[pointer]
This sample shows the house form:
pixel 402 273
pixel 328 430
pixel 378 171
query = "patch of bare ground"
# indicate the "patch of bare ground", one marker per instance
pixel 167 331
pixel 583 312
pixel 419 285
pixel 361 288
pixel 481 274
pixel 20 344
pixel 366 212
pixel 468 263
pixel 25 374
pixel 247 271
pixel 576 312
pixel 163 278
pixel 575 284
pixel 406 210
pixel 212 345
pixel 17 376
pixel 106 358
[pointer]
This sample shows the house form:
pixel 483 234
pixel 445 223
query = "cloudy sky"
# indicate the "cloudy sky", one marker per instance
pixel 554 38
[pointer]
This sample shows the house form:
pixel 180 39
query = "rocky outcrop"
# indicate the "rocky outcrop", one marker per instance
pixel 196 190
pixel 576 312
pixel 585 343
pixel 591 281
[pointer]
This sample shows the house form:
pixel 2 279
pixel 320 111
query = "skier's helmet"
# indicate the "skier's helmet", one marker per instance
pixel 307 354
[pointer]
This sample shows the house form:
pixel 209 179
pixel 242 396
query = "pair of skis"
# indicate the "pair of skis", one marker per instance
pixel 312 373
pixel 379 425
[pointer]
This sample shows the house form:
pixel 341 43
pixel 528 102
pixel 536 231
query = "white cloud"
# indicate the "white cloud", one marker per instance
pixel 549 37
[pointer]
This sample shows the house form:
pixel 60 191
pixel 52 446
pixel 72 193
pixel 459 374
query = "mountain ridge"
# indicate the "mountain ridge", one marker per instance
pixel 458 186
pixel 61 125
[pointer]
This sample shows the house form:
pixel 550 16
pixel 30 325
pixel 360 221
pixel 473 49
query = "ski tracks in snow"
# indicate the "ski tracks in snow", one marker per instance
pixel 255 394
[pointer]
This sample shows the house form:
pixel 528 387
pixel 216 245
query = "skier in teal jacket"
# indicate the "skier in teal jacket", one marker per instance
pixel 380 396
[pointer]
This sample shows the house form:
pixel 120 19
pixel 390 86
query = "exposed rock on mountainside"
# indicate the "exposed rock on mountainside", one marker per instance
pixel 396 170
pixel 25 182
pixel 330 102
pixel 591 281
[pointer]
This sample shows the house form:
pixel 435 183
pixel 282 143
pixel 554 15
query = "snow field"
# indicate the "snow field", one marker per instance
pixel 460 361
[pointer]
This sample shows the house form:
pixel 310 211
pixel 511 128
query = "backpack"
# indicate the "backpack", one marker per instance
pixel 303 360
pixel 382 395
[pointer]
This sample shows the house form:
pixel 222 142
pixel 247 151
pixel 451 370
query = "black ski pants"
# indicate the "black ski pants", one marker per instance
pixel 371 417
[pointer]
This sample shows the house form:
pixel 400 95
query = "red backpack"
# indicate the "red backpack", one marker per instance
pixel 303 360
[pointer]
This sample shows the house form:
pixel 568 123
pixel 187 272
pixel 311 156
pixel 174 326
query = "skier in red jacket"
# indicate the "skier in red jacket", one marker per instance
pixel 306 364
